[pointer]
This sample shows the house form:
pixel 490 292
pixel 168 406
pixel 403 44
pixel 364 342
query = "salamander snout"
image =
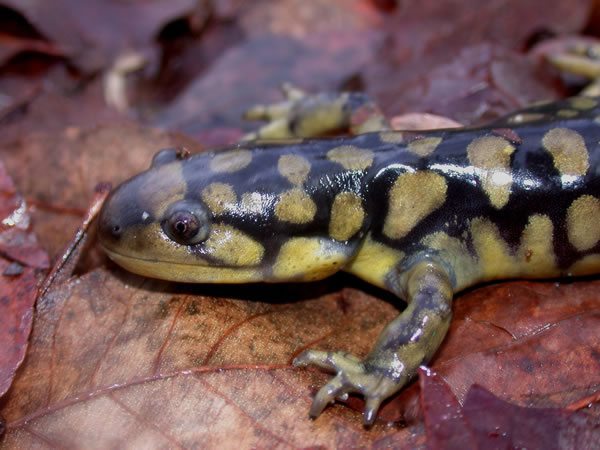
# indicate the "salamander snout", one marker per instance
pixel 110 228
pixel 120 214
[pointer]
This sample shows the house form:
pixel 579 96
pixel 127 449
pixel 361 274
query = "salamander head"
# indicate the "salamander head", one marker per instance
pixel 228 216
pixel 152 226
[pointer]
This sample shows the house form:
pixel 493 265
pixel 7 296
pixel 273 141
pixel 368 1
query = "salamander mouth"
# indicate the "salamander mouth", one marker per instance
pixel 183 272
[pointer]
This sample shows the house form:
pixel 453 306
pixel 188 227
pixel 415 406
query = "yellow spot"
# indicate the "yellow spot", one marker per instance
pixel 294 167
pixel 347 215
pixel 308 259
pixel 492 155
pixel 351 157
pixel 219 197
pixel 536 253
pixel 230 160
pixel 162 186
pixel 588 265
pixel 583 102
pixel 582 222
pixel 453 251
pixel 233 247
pixel 425 146
pixel 525 118
pixel 495 259
pixel 412 198
pixel 568 150
pixel 566 113
pixel 295 206
pixel 391 137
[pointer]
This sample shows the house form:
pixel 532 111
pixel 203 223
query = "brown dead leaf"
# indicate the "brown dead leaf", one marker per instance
pixel 485 421
pixel 532 343
pixel 55 105
pixel 183 365
pixel 17 242
pixel 21 259
pixel 83 158
pixel 422 121
pixel 445 50
pixel 446 424
pixel 18 36
pixel 12 45
pixel 93 33
pixel 482 83
pixel 435 56
pixel 252 72
pixel 117 359
pixel 299 18
pixel 499 423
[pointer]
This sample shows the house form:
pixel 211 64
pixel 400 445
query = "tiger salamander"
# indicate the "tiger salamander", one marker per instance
pixel 421 214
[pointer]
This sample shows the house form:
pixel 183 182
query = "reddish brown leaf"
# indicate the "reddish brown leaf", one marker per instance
pixel 539 340
pixel 437 58
pixel 252 72
pixel 17 243
pixel 485 421
pixel 422 121
pixel 440 50
pixel 446 424
pixel 482 83
pixel 313 52
pixel 12 45
pixel 300 19
pixel 43 110
pixel 81 28
pixel 499 424
pixel 153 355
pixel 17 295
pixel 83 158
pixel 21 256
pixel 124 359
pixel 531 343
pixel 19 36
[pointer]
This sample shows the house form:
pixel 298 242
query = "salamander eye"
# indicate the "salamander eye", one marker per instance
pixel 186 222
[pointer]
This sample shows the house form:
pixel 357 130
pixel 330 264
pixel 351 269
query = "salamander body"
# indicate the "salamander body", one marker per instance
pixel 421 214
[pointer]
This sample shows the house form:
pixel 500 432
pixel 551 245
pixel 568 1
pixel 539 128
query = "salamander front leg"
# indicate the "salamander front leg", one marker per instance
pixel 406 343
